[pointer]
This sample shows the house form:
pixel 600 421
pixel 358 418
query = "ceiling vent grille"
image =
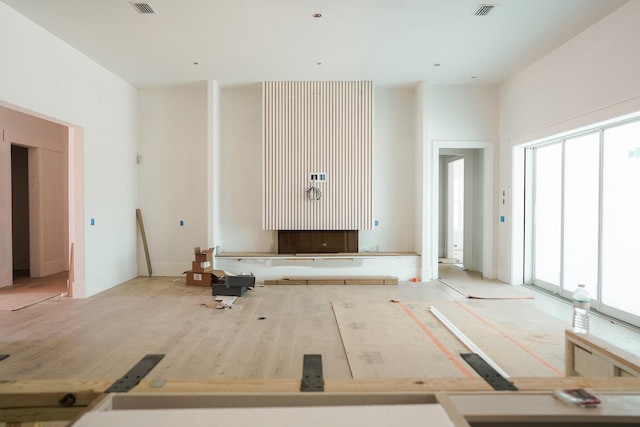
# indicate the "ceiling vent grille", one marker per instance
pixel 484 9
pixel 145 8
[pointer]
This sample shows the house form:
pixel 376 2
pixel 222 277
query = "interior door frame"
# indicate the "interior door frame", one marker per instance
pixel 487 270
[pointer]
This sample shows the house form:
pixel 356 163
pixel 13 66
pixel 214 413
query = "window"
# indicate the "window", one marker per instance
pixel 621 218
pixel 585 211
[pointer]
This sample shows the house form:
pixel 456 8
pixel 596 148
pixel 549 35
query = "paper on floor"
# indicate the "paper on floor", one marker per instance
pixel 220 302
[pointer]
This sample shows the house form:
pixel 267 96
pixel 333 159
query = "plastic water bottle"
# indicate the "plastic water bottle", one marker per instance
pixel 581 304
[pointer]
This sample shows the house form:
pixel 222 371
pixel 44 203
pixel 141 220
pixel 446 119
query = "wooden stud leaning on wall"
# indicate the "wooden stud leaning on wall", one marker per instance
pixel 144 240
pixel 71 277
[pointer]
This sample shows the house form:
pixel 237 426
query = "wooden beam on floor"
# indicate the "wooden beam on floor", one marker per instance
pixel 334 280
pixel 54 400
pixel 47 400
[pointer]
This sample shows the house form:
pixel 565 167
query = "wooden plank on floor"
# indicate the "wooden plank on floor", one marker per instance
pixel 335 280
pixel 326 281
pixel 371 281
pixel 382 341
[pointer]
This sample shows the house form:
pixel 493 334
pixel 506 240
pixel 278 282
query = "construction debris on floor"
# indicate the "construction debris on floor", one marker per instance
pixel 221 282
pixel 220 302
pixel 201 273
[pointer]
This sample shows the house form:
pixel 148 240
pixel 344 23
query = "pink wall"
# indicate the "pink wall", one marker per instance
pixel 48 218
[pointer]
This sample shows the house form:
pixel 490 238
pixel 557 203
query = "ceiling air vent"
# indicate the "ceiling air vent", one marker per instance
pixel 484 9
pixel 143 7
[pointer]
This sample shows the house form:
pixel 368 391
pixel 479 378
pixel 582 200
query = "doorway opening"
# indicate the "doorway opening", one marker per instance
pixel 455 211
pixel 463 206
pixel 20 212
pixel 42 198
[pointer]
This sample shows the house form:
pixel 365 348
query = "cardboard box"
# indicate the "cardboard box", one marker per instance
pixel 198 279
pixel 217 275
pixel 245 280
pixel 203 255
pixel 236 291
pixel 202 266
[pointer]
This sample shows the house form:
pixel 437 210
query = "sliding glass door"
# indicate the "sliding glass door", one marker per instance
pixel 548 215
pixel 621 218
pixel 585 215
pixel 581 212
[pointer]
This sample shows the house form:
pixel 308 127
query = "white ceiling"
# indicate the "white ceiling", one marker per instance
pixel 391 42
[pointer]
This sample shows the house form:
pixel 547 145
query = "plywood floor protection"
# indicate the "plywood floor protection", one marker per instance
pixel 403 340
pixel 382 341
pixel 467 283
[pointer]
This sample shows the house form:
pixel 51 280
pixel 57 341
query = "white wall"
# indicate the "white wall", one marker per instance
pixel 463 113
pixel 241 184
pixel 173 139
pixel 240 174
pixel 589 79
pixel 47 77
pixel 172 176
pixel 394 174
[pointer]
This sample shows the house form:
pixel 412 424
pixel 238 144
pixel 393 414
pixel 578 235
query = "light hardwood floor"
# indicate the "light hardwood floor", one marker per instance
pixel 271 328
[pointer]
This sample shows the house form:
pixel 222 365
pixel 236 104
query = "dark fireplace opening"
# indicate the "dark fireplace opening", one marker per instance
pixel 317 241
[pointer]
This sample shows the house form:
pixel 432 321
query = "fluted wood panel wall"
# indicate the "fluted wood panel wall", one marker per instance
pixel 322 127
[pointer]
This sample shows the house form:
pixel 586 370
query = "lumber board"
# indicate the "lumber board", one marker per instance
pixel 47 400
pixel 334 280
pixel 364 281
pixel 336 385
pixel 31 393
pixel 144 241
pixel 38 400
pixel 72 277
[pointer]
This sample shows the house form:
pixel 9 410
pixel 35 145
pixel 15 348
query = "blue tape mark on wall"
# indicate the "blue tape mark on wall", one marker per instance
pixel 502 219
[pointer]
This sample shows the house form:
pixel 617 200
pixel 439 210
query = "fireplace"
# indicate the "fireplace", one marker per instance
pixel 317 241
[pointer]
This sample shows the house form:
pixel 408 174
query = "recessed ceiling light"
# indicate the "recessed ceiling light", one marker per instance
pixel 196 63
pixel 318 63
pixel 436 64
